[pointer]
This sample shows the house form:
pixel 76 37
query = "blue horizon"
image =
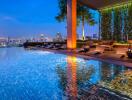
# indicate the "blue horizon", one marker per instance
pixel 30 18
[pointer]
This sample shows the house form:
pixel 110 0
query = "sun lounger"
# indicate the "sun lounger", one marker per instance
pixel 49 46
pixel 84 50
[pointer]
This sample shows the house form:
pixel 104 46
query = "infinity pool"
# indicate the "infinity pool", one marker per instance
pixel 40 75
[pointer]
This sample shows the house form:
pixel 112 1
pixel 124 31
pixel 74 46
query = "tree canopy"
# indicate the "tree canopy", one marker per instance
pixel 82 12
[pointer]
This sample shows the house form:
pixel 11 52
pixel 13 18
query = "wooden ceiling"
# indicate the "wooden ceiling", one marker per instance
pixel 99 4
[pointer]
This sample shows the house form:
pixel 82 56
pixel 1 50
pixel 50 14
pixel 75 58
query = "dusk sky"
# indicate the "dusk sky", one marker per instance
pixel 30 18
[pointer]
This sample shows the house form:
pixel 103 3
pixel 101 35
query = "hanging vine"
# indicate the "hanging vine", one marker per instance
pixel 126 26
pixel 130 21
pixel 117 24
pixel 106 30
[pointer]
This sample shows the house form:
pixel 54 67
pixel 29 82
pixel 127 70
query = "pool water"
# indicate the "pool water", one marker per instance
pixel 43 75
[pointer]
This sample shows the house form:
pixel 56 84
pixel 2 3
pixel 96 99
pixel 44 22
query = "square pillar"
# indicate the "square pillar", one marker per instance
pixel 71 23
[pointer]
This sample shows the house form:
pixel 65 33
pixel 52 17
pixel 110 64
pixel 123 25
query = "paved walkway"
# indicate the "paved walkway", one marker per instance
pixel 101 57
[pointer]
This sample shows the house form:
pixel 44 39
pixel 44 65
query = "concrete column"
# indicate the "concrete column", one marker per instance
pixel 71 23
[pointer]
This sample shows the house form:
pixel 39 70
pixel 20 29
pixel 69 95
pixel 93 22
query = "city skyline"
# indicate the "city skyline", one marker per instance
pixel 29 18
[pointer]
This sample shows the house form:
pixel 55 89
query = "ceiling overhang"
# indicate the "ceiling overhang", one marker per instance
pixel 100 4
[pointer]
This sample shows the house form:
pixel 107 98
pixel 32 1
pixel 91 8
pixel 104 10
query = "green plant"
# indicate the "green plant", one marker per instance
pixel 117 20
pixel 128 21
pixel 117 24
pixel 83 15
pixel 106 30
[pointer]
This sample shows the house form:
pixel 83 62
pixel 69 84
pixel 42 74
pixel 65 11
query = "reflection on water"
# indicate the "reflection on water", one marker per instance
pixel 37 75
pixel 109 71
pixel 121 83
pixel 82 77
pixel 73 76
pixel 71 87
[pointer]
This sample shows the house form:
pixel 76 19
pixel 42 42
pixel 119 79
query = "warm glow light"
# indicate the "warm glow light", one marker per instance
pixel 126 4
pixel 71 77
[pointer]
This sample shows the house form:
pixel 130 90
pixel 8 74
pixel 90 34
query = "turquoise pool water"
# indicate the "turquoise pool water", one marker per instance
pixel 39 75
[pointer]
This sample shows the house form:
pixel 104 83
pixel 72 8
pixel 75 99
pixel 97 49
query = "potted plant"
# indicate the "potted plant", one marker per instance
pixel 129 52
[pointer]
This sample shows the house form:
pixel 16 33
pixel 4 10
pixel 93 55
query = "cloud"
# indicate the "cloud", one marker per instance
pixel 5 18
pixel 8 18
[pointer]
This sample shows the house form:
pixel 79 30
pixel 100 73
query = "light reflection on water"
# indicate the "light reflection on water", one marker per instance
pixel 71 87
pixel 39 75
